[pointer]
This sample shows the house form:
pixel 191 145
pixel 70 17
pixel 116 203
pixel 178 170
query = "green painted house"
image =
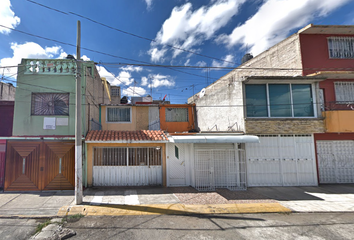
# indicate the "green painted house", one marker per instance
pixel 41 153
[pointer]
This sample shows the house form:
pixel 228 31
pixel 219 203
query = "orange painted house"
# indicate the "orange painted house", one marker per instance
pixel 177 118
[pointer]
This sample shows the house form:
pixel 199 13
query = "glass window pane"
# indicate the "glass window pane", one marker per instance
pixel 176 114
pixel 279 100
pixel 302 100
pixel 118 114
pixel 256 100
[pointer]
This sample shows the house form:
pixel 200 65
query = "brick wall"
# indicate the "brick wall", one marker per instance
pixel 284 126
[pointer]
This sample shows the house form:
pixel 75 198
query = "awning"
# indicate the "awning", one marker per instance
pixel 214 139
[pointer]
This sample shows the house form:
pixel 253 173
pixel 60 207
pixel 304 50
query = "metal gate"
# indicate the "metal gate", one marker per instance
pixel 219 168
pixel 281 160
pixel 335 161
pixel 127 166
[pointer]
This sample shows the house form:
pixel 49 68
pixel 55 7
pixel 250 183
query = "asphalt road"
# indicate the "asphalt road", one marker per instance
pixel 227 226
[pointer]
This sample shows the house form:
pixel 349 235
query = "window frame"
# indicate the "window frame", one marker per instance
pixel 314 100
pixel 340 43
pixel 187 114
pixel 125 107
pixel 336 91
pixel 33 106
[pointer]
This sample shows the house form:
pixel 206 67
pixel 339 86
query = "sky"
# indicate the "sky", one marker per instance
pixel 170 49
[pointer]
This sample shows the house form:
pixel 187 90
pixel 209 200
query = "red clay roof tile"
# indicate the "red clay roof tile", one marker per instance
pixel 111 135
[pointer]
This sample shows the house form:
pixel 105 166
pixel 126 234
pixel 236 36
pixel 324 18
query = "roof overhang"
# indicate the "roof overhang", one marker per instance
pixel 212 138
pixel 284 79
pixel 334 74
pixel 327 29
pixel 126 141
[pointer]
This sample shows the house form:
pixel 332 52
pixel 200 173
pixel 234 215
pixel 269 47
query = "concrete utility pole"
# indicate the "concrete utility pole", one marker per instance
pixel 78 120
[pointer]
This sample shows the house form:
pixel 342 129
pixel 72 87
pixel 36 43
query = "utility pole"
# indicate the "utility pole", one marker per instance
pixel 78 121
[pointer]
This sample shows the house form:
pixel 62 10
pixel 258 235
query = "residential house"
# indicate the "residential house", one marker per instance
pixel 130 148
pixel 296 97
pixel 40 154
pixel 7 92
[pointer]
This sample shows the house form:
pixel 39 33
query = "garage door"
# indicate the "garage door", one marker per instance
pixel 219 166
pixel 281 160
pixel 127 166
pixel 335 161
pixel 34 166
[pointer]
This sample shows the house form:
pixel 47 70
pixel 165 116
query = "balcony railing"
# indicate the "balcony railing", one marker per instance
pixel 52 66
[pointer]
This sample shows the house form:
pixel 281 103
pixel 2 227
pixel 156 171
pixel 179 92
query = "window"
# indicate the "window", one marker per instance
pixel 50 104
pixel 176 114
pixel 344 92
pixel 115 91
pixel 341 47
pixel 279 100
pixel 118 114
pixel 127 156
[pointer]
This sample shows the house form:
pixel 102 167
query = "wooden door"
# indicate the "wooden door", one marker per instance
pixel 34 166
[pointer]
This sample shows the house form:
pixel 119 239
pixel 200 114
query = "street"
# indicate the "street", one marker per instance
pixel 226 226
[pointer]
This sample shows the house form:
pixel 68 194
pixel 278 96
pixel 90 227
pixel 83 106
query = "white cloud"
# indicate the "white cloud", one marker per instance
pixel 131 68
pixel 157 55
pixel 275 19
pixel 148 4
pixel 102 71
pixel 201 64
pixel 7 17
pixel 157 80
pixel 28 50
pixel 134 91
pixel 228 61
pixel 186 28
pixel 187 62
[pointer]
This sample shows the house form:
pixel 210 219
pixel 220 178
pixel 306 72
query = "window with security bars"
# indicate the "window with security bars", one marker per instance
pixel 118 114
pixel 50 104
pixel 115 92
pixel 127 156
pixel 344 92
pixel 176 114
pixel 341 47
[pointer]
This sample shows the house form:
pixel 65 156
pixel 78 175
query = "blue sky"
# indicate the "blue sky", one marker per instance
pixel 215 33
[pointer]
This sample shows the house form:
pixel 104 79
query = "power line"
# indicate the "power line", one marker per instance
pixel 132 34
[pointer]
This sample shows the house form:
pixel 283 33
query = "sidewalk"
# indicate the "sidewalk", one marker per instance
pixel 183 200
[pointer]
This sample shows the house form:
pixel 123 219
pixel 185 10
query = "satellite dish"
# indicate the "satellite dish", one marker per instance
pixel 202 93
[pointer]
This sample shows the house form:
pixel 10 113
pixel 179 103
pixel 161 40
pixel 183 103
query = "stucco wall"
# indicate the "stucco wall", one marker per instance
pixel 7 92
pixel 142 118
pixel 339 121
pixel 284 126
pixel 222 104
pixel 128 126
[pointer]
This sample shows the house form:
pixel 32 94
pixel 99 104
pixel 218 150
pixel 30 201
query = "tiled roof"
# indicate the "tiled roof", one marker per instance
pixel 111 135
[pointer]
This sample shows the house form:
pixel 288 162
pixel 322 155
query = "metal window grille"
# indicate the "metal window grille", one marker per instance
pixel 115 92
pixel 50 104
pixel 344 91
pixel 127 156
pixel 341 47
pixel 118 114
pixel 176 114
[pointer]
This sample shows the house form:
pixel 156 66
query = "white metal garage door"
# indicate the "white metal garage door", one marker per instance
pixel 335 161
pixel 219 166
pixel 281 160
pixel 127 166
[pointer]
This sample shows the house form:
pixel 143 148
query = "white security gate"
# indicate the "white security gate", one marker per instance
pixel 220 166
pixel 281 160
pixel 335 161
pixel 176 164
pixel 127 166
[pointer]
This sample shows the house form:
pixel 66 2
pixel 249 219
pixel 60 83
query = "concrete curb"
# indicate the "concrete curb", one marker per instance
pixel 172 209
